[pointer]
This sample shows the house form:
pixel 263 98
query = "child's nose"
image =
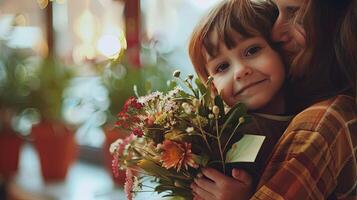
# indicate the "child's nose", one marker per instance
pixel 242 72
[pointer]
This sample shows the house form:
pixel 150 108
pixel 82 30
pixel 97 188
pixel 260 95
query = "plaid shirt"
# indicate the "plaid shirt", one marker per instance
pixel 316 156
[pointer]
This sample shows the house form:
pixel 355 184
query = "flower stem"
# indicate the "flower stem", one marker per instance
pixel 204 136
pixel 230 137
pixel 220 147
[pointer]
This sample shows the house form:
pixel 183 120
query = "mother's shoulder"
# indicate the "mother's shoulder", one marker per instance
pixel 328 115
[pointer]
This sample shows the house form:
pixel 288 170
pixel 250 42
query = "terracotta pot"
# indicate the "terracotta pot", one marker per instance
pixel 10 145
pixel 111 135
pixel 56 148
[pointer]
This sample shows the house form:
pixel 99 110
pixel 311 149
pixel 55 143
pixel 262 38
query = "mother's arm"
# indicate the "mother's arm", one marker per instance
pixel 315 158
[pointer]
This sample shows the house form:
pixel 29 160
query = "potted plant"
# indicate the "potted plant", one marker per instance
pixel 53 138
pixel 14 84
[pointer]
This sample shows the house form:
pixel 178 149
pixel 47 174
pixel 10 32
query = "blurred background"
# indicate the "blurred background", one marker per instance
pixel 66 68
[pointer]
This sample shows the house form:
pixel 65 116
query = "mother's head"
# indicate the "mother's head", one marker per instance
pixel 318 40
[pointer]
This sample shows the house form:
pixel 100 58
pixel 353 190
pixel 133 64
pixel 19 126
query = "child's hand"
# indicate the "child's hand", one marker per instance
pixel 217 186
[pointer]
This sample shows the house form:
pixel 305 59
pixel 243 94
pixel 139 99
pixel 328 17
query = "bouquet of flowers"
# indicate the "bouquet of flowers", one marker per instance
pixel 175 134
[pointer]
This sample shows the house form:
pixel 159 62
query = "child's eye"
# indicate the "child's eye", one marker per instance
pixel 252 50
pixel 221 67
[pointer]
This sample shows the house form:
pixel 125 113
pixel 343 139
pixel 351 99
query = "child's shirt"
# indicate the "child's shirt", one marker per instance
pixel 270 126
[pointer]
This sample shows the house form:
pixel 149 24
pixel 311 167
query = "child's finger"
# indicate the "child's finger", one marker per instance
pixel 206 184
pixel 201 193
pixel 213 174
pixel 242 176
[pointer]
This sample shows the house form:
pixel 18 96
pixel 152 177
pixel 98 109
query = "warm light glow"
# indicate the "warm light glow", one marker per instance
pixel 83 52
pixel 21 20
pixel 41 48
pixel 112 41
pixel 105 38
pixel 42 3
pixel 24 37
pixel 85 27
pixel 109 46
pixel 61 1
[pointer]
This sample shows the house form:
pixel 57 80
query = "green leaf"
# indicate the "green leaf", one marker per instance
pixel 232 117
pixel 242 109
pixel 201 160
pixel 148 86
pixel 208 98
pixel 203 111
pixel 196 92
pixel 171 84
pixel 175 191
pixel 248 119
pixel 200 86
pixel 154 169
pixel 183 94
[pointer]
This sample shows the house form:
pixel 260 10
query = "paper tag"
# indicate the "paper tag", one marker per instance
pixel 246 149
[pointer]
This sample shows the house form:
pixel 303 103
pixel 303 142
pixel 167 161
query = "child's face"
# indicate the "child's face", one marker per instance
pixel 252 73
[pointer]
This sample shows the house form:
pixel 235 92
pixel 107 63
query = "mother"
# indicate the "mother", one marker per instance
pixel 316 158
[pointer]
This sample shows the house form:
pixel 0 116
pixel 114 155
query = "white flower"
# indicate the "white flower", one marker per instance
pixel 215 110
pixel 170 106
pixel 136 184
pixel 187 108
pixel 189 129
pixel 115 145
pixel 185 105
pixel 210 116
pixel 174 92
pixel 150 97
pixel 241 120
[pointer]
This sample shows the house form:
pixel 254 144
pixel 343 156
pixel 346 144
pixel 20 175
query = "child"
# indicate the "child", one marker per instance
pixel 232 45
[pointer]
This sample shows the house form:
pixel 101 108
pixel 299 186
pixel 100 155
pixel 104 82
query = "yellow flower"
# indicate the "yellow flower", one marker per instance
pixel 161 119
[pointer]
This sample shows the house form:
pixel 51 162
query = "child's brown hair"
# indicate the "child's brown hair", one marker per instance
pixel 248 18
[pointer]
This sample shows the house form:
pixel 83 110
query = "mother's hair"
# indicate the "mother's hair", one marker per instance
pixel 327 66
pixel 346 44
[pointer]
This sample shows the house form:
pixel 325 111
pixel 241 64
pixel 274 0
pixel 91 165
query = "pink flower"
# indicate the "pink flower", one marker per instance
pixel 176 154
pixel 128 186
pixel 117 149
pixel 115 166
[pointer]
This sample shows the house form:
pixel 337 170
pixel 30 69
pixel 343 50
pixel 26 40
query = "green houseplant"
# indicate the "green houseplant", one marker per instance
pixel 14 87
pixel 53 138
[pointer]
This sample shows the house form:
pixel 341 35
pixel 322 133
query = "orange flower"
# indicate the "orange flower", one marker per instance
pixel 176 154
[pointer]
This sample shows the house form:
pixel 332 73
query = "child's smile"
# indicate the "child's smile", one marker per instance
pixel 250 88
